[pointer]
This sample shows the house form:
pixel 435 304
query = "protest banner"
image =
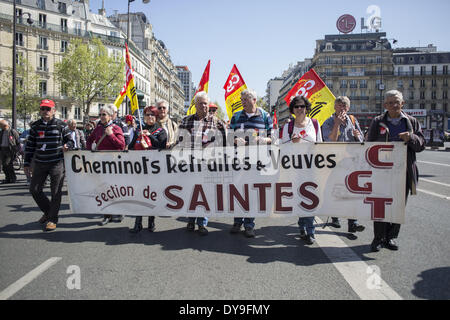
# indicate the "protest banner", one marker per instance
pixel 362 181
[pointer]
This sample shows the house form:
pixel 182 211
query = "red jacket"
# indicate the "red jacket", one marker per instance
pixel 116 141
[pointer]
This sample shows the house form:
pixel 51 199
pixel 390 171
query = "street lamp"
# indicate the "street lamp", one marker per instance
pixel 30 22
pixel 382 42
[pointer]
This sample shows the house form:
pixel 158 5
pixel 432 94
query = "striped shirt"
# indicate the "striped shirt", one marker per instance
pixel 45 141
pixel 260 120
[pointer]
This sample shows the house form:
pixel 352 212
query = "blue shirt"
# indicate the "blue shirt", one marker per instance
pixel 345 130
pixel 260 120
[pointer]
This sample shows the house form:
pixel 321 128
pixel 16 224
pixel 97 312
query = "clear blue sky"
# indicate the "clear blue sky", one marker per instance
pixel 262 37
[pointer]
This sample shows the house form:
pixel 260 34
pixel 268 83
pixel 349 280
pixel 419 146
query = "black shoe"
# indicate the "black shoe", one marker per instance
pixel 310 239
pixel 137 225
pixel 335 223
pixel 151 224
pixel 303 234
pixel 203 231
pixel 249 233
pixel 190 226
pixel 355 227
pixel 236 228
pixel 391 245
pixel 375 246
pixel 105 221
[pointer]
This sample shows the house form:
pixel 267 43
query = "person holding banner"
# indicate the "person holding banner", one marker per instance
pixel 395 125
pixel 302 130
pixel 251 117
pixel 341 127
pixel 106 136
pixel 198 125
pixel 158 139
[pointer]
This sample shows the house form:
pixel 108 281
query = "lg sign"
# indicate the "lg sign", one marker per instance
pixel 346 23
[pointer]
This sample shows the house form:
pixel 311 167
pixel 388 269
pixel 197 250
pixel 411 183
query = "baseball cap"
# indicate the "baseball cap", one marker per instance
pixel 212 106
pixel 129 118
pixel 47 103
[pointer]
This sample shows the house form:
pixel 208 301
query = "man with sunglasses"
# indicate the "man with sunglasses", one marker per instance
pixel 49 138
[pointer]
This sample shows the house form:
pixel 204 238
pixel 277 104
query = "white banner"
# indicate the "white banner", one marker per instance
pixel 361 181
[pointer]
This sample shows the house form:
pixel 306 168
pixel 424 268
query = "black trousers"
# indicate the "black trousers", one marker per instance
pixel 55 170
pixel 387 230
pixel 7 158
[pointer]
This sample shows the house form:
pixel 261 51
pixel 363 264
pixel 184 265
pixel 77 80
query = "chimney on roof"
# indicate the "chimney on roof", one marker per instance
pixel 102 11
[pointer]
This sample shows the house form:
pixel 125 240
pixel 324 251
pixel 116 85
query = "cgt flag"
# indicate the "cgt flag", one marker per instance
pixel 129 88
pixel 312 87
pixel 234 85
pixel 202 86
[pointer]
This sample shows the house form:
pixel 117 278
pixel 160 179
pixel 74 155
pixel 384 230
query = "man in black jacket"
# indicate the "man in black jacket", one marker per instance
pixel 49 138
pixel 395 125
pixel 9 139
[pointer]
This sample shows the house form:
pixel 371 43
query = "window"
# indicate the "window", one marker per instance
pixel 411 95
pixel 77 115
pixel 363 60
pixel 422 106
pixel 434 70
pixel 43 43
pixel 363 83
pixel 422 95
pixel 42 20
pixel 77 27
pixel 422 83
pixel 411 83
pixel 400 71
pixel 433 95
pixel 422 70
pixel 19 58
pixel 353 84
pixel 378 70
pixel 378 59
pixel 42 88
pixel 19 15
pixel 400 83
pixel 41 4
pixel 445 70
pixel 64 112
pixel 343 83
pixel 411 71
pixel 445 107
pixel 433 83
pixel 63 90
pixel 62 7
pixel 433 106
pixel 63 25
pixel 64 45
pixel 42 63
pixel 445 82
pixel 363 93
pixel 19 39
pixel 445 95
pixel 363 107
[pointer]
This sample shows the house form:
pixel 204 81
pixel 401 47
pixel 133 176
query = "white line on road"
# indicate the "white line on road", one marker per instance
pixel 352 268
pixel 435 163
pixel 431 181
pixel 434 194
pixel 26 279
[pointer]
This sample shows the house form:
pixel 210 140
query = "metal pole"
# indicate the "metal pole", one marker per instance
pixel 14 113
pixel 128 34
pixel 382 85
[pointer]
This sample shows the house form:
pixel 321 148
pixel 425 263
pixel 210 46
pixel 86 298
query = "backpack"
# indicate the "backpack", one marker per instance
pixel 291 127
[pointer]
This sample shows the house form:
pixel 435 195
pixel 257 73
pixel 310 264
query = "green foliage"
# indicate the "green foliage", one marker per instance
pixel 220 113
pixel 27 97
pixel 87 72
pixel 261 102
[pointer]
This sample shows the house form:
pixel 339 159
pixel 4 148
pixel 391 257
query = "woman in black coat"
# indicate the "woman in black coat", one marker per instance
pixel 158 138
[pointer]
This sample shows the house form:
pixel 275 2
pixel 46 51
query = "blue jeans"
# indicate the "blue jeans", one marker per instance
pixel 201 221
pixel 308 224
pixel 248 222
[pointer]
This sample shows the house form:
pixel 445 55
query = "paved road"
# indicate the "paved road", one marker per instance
pixel 175 264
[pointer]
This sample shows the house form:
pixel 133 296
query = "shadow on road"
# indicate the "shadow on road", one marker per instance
pixel 435 284
pixel 272 243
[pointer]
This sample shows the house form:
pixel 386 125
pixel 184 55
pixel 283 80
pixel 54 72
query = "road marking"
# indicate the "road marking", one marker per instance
pixel 434 194
pixel 26 279
pixel 352 268
pixel 435 163
pixel 431 181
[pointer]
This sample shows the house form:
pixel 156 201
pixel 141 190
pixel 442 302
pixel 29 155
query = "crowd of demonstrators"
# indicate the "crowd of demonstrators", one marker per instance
pixel 166 123
pixel 157 140
pixel 47 141
pixel 10 146
pixel 49 138
pixel 77 135
pixel 302 130
pixel 342 127
pixel 395 125
pixel 107 136
pixel 251 117
pixel 199 125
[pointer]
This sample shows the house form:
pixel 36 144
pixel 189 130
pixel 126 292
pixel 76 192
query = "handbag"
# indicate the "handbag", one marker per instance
pixel 143 142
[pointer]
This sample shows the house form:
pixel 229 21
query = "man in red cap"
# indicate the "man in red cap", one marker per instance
pixel 48 139
pixel 213 109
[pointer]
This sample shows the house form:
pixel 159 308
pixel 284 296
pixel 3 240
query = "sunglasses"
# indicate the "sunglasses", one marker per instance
pixel 46 108
pixel 299 106
pixel 149 115
pixel 103 114
pixel 159 108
